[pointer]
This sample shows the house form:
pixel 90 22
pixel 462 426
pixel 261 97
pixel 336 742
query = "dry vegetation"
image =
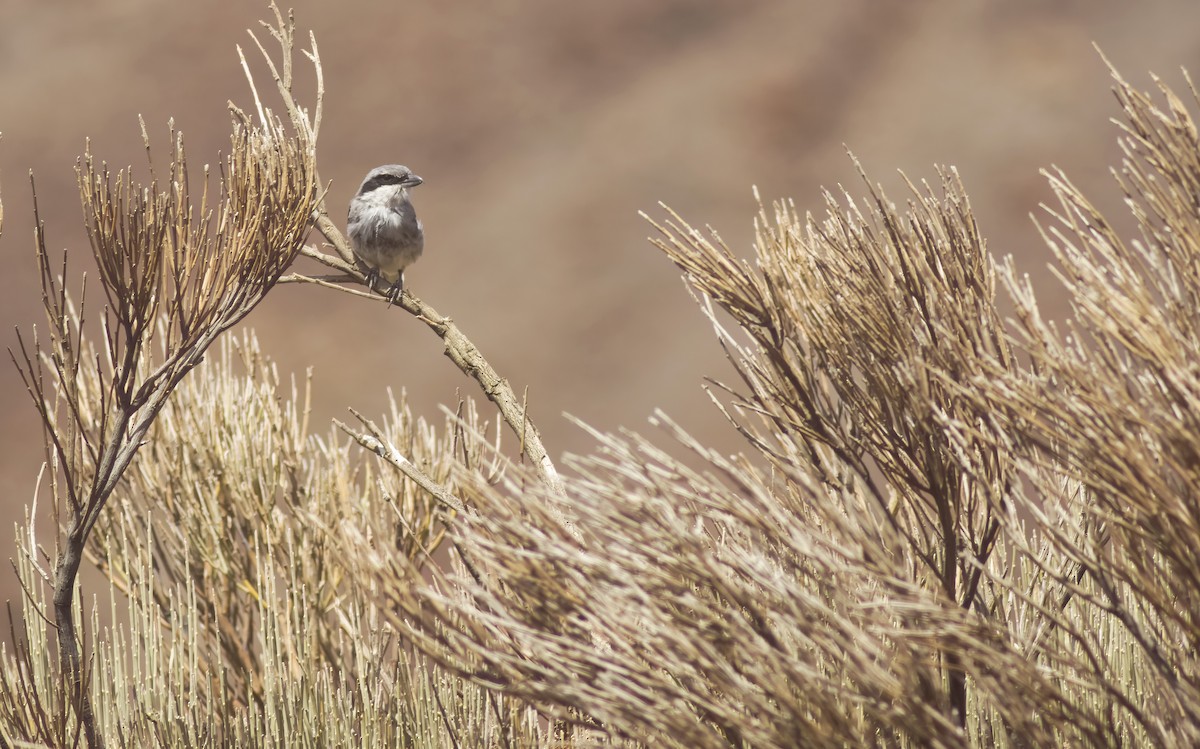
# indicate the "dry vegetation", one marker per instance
pixel 945 529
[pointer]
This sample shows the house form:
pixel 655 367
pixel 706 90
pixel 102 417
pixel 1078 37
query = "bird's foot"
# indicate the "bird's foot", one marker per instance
pixel 371 277
pixel 395 290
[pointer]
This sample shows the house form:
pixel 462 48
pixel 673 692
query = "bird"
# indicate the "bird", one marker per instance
pixel 383 227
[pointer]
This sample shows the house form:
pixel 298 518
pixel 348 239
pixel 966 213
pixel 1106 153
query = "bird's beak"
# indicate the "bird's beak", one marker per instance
pixel 412 181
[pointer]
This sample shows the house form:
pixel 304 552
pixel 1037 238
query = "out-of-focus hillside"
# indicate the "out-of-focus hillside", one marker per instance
pixel 541 128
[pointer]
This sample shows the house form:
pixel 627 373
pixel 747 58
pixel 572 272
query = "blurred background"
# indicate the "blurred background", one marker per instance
pixel 541 128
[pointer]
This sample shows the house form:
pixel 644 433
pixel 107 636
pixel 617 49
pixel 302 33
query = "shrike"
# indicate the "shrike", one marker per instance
pixel 384 230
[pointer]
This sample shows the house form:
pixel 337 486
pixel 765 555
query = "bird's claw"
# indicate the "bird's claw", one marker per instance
pixel 371 277
pixel 395 290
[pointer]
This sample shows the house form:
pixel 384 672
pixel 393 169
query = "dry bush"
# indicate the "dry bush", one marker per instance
pixel 944 529
pixel 218 542
pixel 175 273
pixel 1104 419
pixel 927 543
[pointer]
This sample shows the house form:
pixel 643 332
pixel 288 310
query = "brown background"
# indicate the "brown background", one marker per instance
pixel 542 127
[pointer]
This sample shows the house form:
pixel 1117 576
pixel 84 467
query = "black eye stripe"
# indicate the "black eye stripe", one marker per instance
pixel 379 181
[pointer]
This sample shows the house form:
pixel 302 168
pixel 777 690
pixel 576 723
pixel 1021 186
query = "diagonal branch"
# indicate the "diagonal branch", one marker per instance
pixel 465 355
pixel 460 350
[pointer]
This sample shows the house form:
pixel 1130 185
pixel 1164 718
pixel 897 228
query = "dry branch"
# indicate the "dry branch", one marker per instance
pixel 460 350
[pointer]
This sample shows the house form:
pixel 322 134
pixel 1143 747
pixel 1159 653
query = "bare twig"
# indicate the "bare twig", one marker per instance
pixel 375 441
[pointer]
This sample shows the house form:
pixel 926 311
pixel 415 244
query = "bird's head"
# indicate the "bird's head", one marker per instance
pixel 391 175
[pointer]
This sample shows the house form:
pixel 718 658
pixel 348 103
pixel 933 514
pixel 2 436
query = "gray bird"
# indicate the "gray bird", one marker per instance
pixel 384 230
